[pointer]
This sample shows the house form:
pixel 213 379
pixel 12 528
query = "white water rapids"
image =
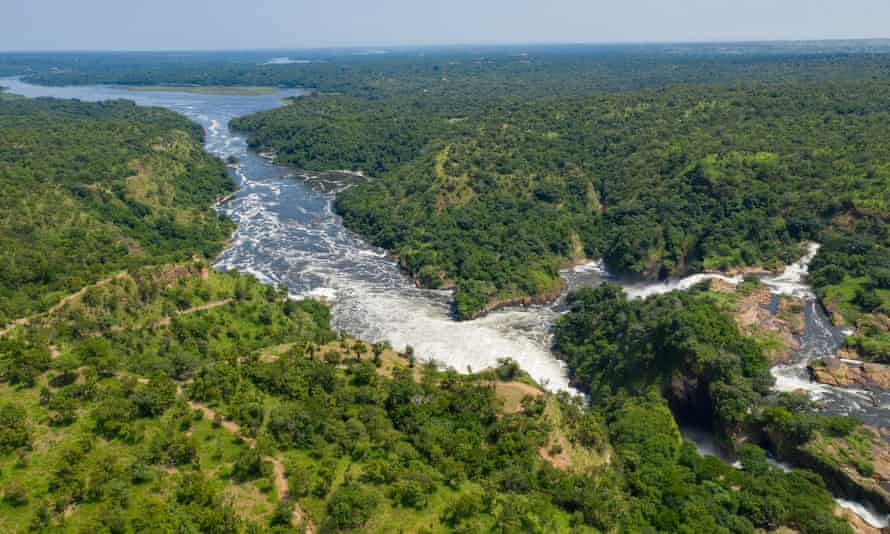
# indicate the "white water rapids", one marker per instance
pixel 288 235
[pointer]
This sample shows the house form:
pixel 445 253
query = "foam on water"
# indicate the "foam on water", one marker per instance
pixel 867 513
pixel 288 235
pixel 645 289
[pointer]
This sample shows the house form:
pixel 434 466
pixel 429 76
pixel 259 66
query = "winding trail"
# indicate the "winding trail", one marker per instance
pixel 278 471
pixel 25 321
pixel 209 306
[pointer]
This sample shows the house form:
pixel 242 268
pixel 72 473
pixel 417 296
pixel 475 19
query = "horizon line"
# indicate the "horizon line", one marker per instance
pixel 455 45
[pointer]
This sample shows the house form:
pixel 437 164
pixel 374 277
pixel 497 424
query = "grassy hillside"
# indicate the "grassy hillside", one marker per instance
pixel 657 183
pixel 153 393
pixel 186 399
pixel 92 189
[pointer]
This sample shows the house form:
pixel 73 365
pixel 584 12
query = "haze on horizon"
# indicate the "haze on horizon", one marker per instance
pixel 291 24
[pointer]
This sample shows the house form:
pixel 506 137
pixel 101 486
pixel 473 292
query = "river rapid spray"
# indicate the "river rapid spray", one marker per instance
pixel 287 234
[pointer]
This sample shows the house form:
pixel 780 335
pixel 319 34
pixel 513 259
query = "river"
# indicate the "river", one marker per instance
pixel 287 234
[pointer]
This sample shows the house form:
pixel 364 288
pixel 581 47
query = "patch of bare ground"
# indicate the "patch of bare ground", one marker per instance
pixel 278 471
pixel 755 319
pixel 561 452
pixel 25 321
pixel 512 393
pixel 859 525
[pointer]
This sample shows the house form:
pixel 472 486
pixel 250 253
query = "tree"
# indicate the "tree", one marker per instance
pixel 14 432
pixel 359 348
pixel 350 507
pixel 98 353
pixel 507 369
pixel 378 349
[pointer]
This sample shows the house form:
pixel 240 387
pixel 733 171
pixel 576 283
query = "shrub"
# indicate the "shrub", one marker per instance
pixel 350 507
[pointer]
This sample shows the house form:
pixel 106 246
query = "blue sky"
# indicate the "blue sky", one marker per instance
pixel 231 24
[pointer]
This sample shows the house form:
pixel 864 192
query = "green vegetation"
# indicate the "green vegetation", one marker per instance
pixel 684 352
pixel 657 183
pixel 99 433
pixel 679 343
pixel 88 445
pixel 5 95
pixel 145 391
pixel 854 452
pixel 92 189
pixel 471 73
pixel 852 277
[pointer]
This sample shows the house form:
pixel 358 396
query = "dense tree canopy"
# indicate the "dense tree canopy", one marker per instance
pixel 175 398
pixel 680 343
pixel 366 440
pixel 91 189
pixel 470 73
pixel 657 183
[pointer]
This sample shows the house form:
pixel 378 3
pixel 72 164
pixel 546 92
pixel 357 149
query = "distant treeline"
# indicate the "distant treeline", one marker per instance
pixel 471 73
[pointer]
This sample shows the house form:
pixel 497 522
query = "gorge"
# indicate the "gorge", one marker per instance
pixel 288 235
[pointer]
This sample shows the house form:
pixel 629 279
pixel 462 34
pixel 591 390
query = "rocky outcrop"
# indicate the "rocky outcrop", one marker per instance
pixel 860 526
pixel 839 373
pixel 523 300
pixel 857 466
pixel 754 318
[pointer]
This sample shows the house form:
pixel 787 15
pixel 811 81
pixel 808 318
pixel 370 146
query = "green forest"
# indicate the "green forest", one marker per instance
pixel 141 390
pixel 87 190
pixel 471 73
pixel 658 183
pixel 191 400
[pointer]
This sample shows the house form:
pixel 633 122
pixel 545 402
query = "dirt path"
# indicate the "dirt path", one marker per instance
pixel 209 306
pixel 278 471
pixel 25 321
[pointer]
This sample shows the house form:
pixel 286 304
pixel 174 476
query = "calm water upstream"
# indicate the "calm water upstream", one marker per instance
pixel 288 234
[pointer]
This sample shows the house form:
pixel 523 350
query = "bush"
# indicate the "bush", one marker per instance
pixel 409 494
pixel 15 494
pixel 14 432
pixel 507 369
pixel 248 466
pixel 350 507
pixel 283 513
pixel 464 506
pixel 333 357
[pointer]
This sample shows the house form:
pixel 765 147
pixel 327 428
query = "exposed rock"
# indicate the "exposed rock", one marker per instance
pixel 841 462
pixel 859 525
pixel 524 300
pixel 722 286
pixel 751 269
pixel 835 372
pixel 878 321
pixel 791 311
pixel 755 319
pixel 832 306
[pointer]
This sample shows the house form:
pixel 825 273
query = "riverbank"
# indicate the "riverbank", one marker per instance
pixel 217 90
pixel 850 373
